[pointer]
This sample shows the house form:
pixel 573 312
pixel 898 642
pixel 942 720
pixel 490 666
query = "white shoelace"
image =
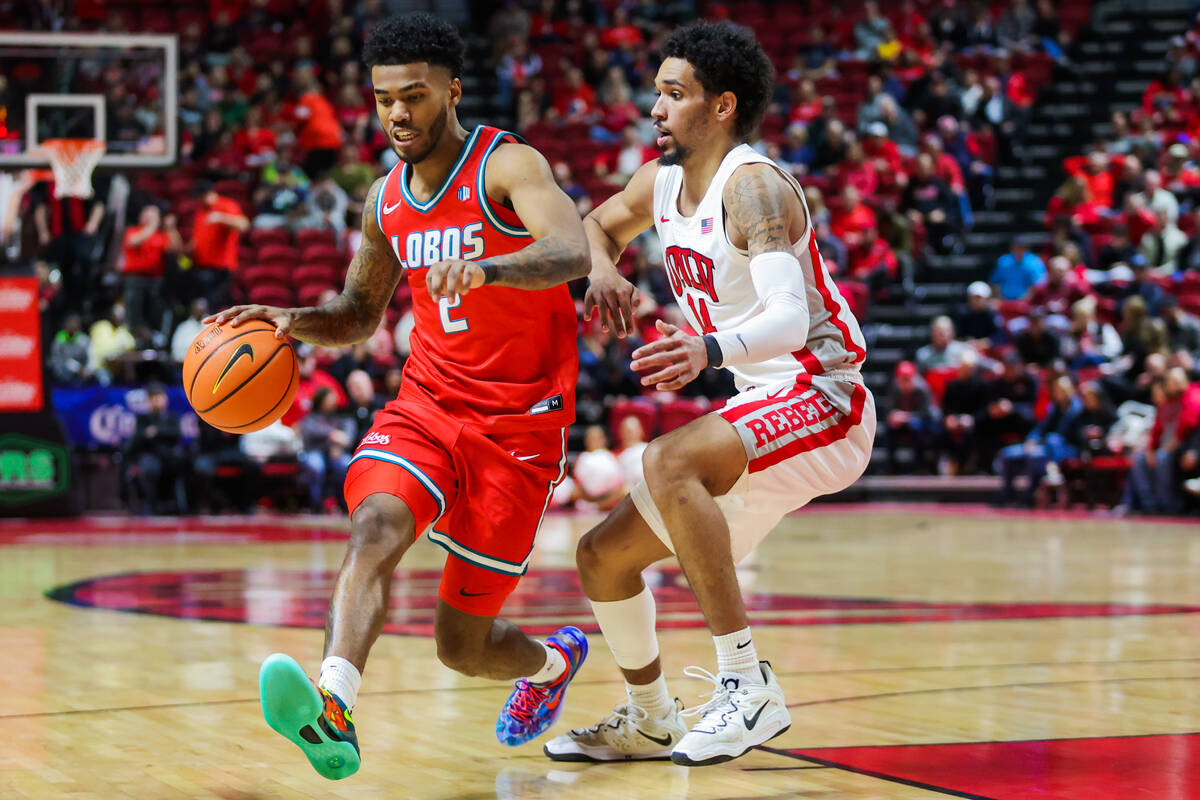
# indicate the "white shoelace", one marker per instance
pixel 718 696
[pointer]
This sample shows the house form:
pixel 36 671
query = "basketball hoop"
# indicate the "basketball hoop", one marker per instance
pixel 73 161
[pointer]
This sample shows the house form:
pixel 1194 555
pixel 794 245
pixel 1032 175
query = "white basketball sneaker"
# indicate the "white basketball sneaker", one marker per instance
pixel 738 717
pixel 627 734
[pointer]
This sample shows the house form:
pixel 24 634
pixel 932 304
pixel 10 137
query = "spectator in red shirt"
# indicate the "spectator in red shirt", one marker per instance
pixel 807 104
pixel 312 378
pixel 857 171
pixel 320 132
pixel 142 252
pixel 852 220
pixel 1093 170
pixel 1178 176
pixel 882 150
pixel 254 143
pixel 218 222
pixel 1153 484
pixel 1056 293
pixel 575 99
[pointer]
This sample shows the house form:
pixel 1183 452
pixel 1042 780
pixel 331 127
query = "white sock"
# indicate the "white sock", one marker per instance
pixel 736 656
pixel 340 677
pixel 652 697
pixel 554 667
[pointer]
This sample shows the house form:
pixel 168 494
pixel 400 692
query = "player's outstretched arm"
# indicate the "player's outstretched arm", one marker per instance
pixel 354 314
pixel 519 174
pixel 610 228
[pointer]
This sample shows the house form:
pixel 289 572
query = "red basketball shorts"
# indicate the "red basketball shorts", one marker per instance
pixel 481 496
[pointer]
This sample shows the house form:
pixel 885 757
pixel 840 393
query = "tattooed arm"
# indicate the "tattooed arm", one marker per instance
pixel 519 176
pixel 354 314
pixel 762 209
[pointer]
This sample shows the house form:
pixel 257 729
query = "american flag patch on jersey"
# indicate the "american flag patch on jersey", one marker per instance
pixel 706 225
pixel 464 193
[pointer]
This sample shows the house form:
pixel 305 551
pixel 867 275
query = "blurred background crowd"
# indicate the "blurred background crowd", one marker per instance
pixel 1067 367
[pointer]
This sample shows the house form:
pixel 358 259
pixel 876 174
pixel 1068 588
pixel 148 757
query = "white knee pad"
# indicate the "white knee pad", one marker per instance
pixel 644 503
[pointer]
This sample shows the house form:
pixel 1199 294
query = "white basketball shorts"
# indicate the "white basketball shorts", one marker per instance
pixel 803 438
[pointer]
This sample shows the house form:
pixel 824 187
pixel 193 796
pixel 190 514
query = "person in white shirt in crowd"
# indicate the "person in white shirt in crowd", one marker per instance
pixel 633 444
pixel 187 330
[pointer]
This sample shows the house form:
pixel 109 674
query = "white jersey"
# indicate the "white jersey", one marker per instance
pixel 712 285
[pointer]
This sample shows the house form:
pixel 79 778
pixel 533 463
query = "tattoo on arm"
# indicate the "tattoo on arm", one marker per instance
pixel 354 314
pixel 541 264
pixel 760 210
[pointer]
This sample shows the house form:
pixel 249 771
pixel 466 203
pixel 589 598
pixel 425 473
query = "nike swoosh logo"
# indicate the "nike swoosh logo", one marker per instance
pixel 513 453
pixel 664 741
pixel 747 642
pixel 465 593
pixel 243 350
pixel 389 209
pixel 663 219
pixel 752 721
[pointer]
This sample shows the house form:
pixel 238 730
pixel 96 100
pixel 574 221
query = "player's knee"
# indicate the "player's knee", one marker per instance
pixel 665 467
pixel 382 527
pixel 461 654
pixel 589 553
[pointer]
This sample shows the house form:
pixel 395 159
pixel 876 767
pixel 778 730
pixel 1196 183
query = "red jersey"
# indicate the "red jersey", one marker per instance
pixel 500 359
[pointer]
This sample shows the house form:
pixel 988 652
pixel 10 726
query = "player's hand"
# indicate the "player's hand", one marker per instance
pixel 282 318
pixel 614 298
pixel 453 277
pixel 673 361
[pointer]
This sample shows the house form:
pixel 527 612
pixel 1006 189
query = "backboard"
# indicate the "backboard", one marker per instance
pixel 121 88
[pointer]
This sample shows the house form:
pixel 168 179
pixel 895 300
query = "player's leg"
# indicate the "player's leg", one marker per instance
pixel 473 640
pixel 317 718
pixel 647 725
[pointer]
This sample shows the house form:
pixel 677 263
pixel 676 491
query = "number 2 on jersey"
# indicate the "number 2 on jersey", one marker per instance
pixel 449 324
pixel 700 312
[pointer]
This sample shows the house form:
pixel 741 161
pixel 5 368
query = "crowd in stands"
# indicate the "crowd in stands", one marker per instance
pixel 1083 354
pixel 892 116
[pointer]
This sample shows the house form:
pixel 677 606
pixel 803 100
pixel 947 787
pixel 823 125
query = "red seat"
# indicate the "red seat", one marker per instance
pixel 677 413
pixel 310 293
pixel 262 237
pixel 643 409
pixel 320 253
pixel 271 295
pixel 278 254
pixel 314 236
pixel 937 380
pixel 314 273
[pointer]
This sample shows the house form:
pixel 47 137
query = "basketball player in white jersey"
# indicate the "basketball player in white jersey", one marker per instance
pixel 739 251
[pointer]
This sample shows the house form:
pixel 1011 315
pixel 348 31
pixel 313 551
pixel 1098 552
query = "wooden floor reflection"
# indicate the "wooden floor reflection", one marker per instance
pixel 926 652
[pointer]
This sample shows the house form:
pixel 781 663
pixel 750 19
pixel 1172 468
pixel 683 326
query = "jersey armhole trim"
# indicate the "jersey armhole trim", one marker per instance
pixel 481 190
pixel 379 196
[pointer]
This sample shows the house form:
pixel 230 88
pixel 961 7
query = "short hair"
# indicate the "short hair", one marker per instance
pixel 727 58
pixel 409 38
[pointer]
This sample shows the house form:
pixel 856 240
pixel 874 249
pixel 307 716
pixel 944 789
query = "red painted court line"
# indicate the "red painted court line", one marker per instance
pixel 1158 766
pixel 984 510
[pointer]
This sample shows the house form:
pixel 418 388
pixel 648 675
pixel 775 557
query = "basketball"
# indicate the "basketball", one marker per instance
pixel 240 379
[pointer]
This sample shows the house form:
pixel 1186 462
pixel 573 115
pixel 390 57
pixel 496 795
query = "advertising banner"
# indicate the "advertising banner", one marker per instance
pixel 105 416
pixel 20 346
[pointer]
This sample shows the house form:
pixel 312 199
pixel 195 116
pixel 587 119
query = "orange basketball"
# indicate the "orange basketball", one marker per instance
pixel 240 379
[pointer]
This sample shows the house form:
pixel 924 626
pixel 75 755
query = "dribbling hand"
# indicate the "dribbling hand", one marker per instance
pixel 282 318
pixel 453 277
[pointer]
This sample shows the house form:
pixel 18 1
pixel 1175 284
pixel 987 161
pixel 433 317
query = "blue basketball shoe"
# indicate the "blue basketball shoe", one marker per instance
pixel 534 707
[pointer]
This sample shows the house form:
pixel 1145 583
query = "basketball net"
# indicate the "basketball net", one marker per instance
pixel 72 161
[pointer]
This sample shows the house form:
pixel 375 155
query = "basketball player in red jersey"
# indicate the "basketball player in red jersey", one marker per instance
pixel 748 277
pixel 471 449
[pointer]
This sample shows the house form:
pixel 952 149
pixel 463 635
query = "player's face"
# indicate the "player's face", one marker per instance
pixel 413 102
pixel 682 114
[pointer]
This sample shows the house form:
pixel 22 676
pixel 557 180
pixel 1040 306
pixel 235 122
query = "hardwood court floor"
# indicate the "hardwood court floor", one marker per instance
pixel 925 652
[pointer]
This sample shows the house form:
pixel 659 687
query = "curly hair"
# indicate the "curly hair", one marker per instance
pixel 727 58
pixel 408 38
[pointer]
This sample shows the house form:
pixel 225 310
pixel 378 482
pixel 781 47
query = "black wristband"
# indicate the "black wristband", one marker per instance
pixel 715 356
pixel 489 272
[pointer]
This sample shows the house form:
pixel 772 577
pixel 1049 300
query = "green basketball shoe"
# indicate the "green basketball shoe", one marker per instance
pixel 311 718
